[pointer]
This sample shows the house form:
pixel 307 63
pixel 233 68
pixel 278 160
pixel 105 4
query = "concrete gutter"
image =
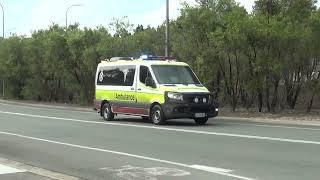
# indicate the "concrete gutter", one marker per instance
pixel 37 171
pixel 279 121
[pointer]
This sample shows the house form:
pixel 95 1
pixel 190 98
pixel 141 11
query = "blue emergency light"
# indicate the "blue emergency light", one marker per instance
pixel 146 57
pixel 149 57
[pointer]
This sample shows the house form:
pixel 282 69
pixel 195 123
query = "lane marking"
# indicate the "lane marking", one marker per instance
pixel 126 154
pixel 9 170
pixel 210 169
pixel 172 129
pixel 271 126
pixel 51 108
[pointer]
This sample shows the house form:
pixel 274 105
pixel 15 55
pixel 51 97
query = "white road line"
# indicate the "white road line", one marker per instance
pixel 210 169
pixel 93 112
pixel 127 154
pixel 271 126
pixel 172 129
pixel 9 170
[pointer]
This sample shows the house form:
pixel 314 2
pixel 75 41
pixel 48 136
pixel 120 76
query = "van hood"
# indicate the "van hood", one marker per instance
pixel 184 88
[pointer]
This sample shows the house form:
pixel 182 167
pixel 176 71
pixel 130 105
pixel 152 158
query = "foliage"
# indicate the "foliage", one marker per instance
pixel 268 58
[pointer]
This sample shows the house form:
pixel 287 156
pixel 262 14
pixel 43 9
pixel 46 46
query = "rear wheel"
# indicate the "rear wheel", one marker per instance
pixel 107 113
pixel 201 121
pixel 157 116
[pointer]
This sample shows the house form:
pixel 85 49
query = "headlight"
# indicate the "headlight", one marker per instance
pixel 175 96
pixel 196 100
pixel 204 100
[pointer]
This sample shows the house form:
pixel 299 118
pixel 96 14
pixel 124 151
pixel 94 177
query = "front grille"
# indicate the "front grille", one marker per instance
pixel 200 109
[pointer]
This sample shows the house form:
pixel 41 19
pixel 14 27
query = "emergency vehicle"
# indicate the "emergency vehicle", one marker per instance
pixel 153 87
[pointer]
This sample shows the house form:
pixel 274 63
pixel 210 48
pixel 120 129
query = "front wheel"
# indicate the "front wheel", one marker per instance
pixel 107 113
pixel 201 121
pixel 157 116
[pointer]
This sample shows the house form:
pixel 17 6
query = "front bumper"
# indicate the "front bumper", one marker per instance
pixel 177 110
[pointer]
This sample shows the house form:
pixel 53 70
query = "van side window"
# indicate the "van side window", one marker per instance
pixel 144 73
pixel 116 75
pixel 129 76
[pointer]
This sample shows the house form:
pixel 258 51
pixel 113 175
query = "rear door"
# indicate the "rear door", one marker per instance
pixel 120 85
pixel 125 91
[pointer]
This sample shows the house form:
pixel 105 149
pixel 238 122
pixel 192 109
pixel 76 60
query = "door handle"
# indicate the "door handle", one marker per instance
pixel 139 89
pixel 132 89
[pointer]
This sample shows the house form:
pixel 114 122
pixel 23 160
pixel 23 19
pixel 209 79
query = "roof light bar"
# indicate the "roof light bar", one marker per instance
pixel 145 57
pixel 156 58
pixel 122 58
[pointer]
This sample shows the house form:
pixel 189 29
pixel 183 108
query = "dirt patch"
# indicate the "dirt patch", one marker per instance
pixel 296 115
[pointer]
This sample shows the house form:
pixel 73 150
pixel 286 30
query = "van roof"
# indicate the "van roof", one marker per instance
pixel 143 62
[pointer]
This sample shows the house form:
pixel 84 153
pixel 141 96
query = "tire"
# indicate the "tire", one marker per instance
pixel 107 113
pixel 157 116
pixel 201 121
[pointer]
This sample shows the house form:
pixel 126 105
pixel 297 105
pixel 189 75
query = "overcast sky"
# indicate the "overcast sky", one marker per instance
pixel 24 16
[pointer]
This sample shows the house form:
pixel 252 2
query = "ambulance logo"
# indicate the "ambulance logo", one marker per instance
pixel 101 76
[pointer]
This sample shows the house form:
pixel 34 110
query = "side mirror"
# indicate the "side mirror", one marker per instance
pixel 150 82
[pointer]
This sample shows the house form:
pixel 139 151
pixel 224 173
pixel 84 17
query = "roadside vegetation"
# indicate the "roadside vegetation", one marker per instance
pixel 268 59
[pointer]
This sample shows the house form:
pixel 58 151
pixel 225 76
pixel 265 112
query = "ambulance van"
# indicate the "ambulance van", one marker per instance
pixel 155 88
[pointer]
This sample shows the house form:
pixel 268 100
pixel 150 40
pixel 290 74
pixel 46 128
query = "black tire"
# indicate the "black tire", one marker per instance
pixel 157 116
pixel 145 118
pixel 201 121
pixel 107 113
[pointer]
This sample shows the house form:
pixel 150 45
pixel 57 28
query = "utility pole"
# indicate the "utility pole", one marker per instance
pixel 2 20
pixel 3 38
pixel 167 53
pixel 73 5
pixel 2 87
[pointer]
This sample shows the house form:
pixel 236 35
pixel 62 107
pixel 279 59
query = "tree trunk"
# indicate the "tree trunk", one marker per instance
pixel 218 80
pixel 292 92
pixel 295 98
pixel 275 95
pixel 260 98
pixel 231 87
pixel 234 102
pixel 310 103
pixel 267 93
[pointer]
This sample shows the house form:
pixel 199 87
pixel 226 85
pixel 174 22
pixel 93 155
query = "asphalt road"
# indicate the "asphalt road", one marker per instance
pixel 81 144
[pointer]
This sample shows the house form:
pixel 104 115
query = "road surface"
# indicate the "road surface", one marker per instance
pixel 81 144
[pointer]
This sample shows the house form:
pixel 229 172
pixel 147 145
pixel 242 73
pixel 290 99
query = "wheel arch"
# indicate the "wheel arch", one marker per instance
pixel 103 102
pixel 152 105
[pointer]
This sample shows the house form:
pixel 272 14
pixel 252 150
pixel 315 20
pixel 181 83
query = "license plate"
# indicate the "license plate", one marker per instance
pixel 200 115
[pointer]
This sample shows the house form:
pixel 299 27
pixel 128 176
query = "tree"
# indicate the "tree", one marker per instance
pixel 266 59
pixel 14 65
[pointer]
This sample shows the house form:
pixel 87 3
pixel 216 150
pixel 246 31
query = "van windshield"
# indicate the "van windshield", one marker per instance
pixel 170 74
